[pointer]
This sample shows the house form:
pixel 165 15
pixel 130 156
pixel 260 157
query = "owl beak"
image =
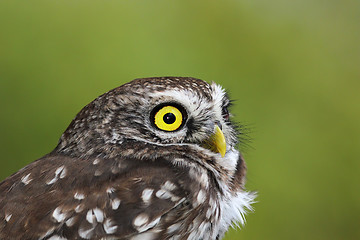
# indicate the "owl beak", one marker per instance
pixel 216 142
pixel 219 141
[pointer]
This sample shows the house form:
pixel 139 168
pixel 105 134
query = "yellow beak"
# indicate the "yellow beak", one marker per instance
pixel 216 142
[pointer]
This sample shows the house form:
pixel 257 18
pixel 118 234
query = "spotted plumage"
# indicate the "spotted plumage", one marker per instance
pixel 152 159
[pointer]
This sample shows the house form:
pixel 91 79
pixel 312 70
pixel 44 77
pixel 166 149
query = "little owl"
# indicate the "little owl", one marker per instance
pixel 152 159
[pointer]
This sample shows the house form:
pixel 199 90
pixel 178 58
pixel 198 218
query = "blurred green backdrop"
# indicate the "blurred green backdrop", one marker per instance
pixel 293 68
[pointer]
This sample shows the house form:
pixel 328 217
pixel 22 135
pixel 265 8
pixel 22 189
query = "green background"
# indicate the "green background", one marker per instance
pixel 293 68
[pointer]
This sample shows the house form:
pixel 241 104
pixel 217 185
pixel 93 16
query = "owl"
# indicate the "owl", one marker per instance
pixel 154 158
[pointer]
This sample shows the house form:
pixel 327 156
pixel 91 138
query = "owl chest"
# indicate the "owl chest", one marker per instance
pixel 212 219
pixel 210 216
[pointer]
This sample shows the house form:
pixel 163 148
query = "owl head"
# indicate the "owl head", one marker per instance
pixel 160 110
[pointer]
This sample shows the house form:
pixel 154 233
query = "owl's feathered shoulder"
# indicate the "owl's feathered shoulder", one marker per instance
pixel 120 197
pixel 80 197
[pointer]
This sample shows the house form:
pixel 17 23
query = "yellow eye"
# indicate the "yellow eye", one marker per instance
pixel 168 118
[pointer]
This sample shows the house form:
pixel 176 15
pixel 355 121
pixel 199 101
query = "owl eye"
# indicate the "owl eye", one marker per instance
pixel 168 118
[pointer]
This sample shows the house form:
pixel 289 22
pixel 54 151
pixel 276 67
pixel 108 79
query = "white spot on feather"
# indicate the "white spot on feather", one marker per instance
pixel 169 186
pixel 204 180
pixel 152 223
pixel 59 172
pixel 57 237
pixel 70 222
pixel 98 172
pixel 52 180
pixel 8 217
pixel 63 173
pixel 173 228
pixel 109 226
pixel 208 213
pixel 175 198
pixel 79 208
pixel 58 215
pixel 146 195
pixel 110 190
pixel 87 234
pixel 99 214
pixel 50 231
pixel 162 194
pixel 140 222
pixel 26 179
pixel 201 197
pixel 90 217
pixel 115 203
pixel 79 196
pixel 95 215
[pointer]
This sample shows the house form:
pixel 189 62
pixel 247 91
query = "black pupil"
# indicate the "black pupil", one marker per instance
pixel 169 118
